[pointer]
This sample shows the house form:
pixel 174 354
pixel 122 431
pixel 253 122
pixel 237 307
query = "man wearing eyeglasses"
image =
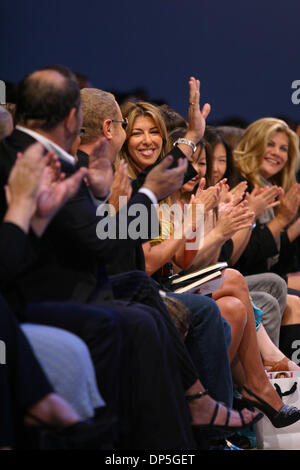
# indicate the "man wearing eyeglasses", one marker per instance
pixel 102 118
pixel 103 128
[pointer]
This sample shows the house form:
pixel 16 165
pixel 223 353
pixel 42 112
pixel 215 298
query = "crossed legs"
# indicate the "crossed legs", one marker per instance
pixel 248 350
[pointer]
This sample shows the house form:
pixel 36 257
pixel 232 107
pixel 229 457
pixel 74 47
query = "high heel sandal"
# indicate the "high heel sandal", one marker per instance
pixel 222 427
pixel 286 416
pixel 91 434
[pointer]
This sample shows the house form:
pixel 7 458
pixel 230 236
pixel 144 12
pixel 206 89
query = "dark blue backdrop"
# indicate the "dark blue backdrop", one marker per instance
pixel 246 53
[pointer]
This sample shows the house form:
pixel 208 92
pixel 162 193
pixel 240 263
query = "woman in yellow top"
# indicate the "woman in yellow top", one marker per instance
pixel 146 139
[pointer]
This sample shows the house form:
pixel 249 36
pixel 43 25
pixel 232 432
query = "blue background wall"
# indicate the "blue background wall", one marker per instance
pixel 246 53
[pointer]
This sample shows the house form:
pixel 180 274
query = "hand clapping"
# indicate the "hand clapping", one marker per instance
pixel 37 189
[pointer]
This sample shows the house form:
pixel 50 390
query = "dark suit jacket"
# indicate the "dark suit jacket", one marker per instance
pixel 69 255
pixel 16 253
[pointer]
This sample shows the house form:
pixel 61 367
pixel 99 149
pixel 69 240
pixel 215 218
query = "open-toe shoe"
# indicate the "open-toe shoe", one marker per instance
pixel 286 416
pixel 223 427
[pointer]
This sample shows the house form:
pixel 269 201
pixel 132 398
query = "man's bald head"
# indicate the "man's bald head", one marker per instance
pixel 48 76
pixel 46 97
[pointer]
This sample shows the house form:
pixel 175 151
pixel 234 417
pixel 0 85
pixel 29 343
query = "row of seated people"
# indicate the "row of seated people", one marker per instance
pixel 163 362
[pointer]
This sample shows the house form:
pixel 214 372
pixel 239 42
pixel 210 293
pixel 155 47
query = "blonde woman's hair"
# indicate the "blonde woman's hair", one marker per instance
pixel 132 111
pixel 249 152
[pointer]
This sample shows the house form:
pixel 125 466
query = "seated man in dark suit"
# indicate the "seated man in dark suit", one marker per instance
pixel 67 269
pixel 113 345
pixel 213 366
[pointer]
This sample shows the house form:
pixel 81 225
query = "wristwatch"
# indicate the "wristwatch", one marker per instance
pixel 186 142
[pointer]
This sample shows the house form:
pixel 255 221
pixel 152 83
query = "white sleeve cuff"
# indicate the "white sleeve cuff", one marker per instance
pixel 98 202
pixel 150 194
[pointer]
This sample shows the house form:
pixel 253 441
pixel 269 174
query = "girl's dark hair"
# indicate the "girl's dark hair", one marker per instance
pixel 172 119
pixel 203 143
pixel 214 137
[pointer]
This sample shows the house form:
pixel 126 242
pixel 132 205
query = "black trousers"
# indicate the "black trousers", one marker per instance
pixel 137 286
pixel 136 366
pixel 22 381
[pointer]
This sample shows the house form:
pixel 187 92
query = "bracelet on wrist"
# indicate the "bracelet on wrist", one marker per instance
pixel 186 142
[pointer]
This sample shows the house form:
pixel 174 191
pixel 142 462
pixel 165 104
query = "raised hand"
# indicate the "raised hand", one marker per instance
pixel 54 192
pixel 234 218
pixel 239 190
pixel 225 196
pixel 162 180
pixel 234 195
pixel 289 204
pixel 208 197
pixel 121 186
pixel 51 173
pixel 52 198
pixel 192 218
pixel 261 199
pixel 24 179
pixel 36 190
pixel 196 116
pixel 100 172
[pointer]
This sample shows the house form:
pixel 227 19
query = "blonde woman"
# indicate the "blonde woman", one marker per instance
pixel 263 140
pixel 266 156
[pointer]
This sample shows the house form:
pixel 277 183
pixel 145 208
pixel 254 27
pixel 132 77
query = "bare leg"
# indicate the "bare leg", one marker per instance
pixel 238 374
pixel 270 353
pixel 248 351
pixel 234 311
pixel 202 409
pixel 294 281
pixel 291 314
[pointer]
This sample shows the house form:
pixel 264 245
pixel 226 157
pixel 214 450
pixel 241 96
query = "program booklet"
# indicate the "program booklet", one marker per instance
pixel 206 280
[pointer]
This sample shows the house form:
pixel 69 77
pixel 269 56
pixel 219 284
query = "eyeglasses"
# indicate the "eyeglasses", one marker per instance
pixel 124 122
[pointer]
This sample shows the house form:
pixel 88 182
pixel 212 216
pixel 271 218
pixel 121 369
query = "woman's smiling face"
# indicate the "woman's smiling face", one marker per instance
pixel 145 142
pixel 275 155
